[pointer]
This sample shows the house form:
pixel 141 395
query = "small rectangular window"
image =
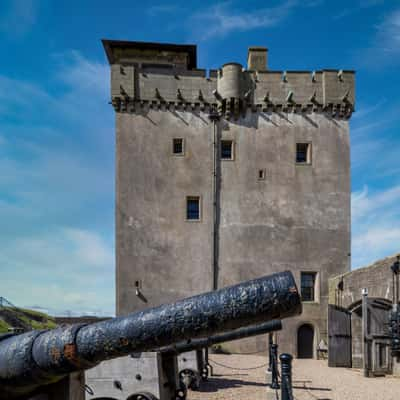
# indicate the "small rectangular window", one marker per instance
pixel 308 286
pixel 261 174
pixel 226 149
pixel 303 153
pixel 193 208
pixel 177 146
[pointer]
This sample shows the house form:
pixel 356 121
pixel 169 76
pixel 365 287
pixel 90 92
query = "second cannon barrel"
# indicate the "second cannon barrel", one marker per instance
pixel 241 333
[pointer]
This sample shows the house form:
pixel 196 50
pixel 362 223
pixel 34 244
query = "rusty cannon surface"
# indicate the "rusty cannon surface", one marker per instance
pixel 30 361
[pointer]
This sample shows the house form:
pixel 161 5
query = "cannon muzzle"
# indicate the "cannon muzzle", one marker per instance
pixel 37 358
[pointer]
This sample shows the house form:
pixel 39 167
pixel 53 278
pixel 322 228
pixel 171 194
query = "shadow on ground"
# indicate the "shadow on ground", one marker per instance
pixel 312 388
pixel 215 383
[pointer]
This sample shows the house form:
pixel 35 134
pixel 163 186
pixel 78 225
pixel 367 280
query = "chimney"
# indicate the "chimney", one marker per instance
pixel 257 58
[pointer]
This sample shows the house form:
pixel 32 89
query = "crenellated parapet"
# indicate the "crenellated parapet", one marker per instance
pixel 171 81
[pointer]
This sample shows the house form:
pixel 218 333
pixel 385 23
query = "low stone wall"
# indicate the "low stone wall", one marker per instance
pixel 345 291
pixel 377 278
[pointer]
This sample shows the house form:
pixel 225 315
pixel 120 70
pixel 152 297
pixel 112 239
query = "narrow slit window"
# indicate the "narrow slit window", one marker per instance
pixel 193 208
pixel 226 149
pixel 308 280
pixel 303 153
pixel 177 146
pixel 261 174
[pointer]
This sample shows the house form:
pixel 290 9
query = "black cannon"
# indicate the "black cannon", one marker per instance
pixel 241 333
pixel 30 361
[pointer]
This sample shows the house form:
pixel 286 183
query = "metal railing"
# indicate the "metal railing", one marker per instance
pixel 4 303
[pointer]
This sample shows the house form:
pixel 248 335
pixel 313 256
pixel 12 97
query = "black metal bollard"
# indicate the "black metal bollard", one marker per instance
pixel 270 343
pixel 286 377
pixel 274 366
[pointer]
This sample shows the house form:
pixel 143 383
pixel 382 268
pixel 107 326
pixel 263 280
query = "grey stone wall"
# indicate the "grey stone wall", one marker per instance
pixel 171 257
pixel 297 217
pixel 377 278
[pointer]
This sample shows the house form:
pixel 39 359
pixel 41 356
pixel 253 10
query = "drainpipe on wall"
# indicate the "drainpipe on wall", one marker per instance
pixel 364 343
pixel 214 117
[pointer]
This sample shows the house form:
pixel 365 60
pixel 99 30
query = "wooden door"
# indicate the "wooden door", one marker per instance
pixel 339 337
pixel 380 360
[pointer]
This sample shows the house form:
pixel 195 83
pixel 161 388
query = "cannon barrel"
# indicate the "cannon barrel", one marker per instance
pixel 37 358
pixel 254 330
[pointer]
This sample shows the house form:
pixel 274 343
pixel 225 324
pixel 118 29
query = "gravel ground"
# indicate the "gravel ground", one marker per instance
pixel 312 380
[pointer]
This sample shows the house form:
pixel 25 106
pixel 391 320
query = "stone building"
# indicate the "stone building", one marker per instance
pixel 227 175
pixel 347 313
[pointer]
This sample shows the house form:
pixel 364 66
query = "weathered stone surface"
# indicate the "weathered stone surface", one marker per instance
pixel 296 217
pixel 377 278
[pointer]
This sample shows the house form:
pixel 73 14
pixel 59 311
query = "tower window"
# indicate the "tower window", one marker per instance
pixel 261 174
pixel 303 153
pixel 226 149
pixel 177 146
pixel 193 208
pixel 308 286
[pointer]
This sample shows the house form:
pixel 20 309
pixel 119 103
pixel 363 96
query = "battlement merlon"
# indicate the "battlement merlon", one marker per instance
pixel 166 76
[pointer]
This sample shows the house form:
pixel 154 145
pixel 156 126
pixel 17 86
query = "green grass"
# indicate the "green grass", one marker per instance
pixel 3 326
pixel 43 325
pixel 36 315
pixel 33 319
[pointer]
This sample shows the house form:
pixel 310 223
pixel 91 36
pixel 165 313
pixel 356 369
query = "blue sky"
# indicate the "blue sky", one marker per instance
pixel 57 128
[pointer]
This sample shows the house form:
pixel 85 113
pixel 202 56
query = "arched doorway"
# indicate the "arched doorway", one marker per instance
pixel 305 341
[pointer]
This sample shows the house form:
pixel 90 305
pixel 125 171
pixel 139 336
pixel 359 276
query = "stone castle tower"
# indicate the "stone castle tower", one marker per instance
pixel 227 175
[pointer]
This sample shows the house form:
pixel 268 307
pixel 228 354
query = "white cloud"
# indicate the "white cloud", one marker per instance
pixel 18 16
pixel 344 13
pixel 56 187
pixel 60 250
pixel 370 3
pixel 364 204
pixel 385 47
pixel 76 79
pixel 55 184
pixel 82 75
pixel 389 33
pixel 60 140
pixel 17 96
pixel 220 20
pixel 372 128
pixel 365 110
pixel 375 243
pixel 358 7
pixel 313 3
pixel 375 232
pixel 65 268
pixel 90 248
pixel 162 9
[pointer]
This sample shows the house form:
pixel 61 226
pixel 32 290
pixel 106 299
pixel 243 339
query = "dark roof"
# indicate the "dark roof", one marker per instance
pixel 180 48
